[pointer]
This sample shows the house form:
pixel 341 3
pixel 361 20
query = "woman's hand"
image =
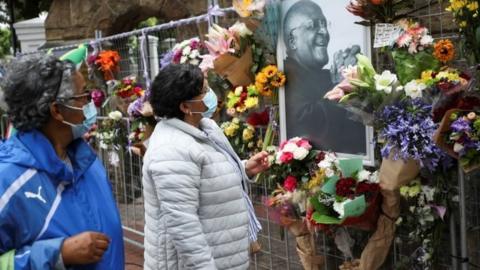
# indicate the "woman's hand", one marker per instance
pixel 84 248
pixel 257 164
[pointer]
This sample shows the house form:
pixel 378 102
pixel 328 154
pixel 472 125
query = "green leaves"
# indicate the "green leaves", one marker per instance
pixel 410 66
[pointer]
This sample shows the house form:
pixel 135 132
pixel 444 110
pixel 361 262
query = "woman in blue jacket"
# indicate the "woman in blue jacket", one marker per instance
pixel 57 209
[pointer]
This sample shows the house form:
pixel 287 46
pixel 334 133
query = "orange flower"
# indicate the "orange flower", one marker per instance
pixel 108 62
pixel 270 71
pixel 261 78
pixel 444 50
pixel 279 80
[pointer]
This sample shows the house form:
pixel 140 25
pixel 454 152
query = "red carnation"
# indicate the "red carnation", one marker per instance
pixel 290 183
pixel 365 188
pixel 345 187
pixel 259 119
pixel 286 157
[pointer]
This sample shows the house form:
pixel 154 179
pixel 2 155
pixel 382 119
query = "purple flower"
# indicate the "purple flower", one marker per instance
pixel 461 125
pixel 135 108
pixel 166 59
pixel 407 129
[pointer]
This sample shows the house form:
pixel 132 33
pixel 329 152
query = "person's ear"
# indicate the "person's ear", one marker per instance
pixel 292 42
pixel 185 109
pixel 55 112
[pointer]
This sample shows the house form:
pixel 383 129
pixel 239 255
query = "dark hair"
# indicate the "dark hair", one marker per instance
pixel 30 86
pixel 173 85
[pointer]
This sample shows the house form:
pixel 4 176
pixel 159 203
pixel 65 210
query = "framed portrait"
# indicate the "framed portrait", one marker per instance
pixel 317 39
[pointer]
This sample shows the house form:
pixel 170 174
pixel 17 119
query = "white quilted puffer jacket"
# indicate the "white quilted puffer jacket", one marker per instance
pixel 195 214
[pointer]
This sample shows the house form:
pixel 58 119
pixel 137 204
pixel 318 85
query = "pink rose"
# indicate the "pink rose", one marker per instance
pixel 304 144
pixel 283 144
pixel 286 157
pixel 290 183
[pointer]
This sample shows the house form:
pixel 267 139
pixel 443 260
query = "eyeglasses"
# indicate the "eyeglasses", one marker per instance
pixel 312 25
pixel 86 97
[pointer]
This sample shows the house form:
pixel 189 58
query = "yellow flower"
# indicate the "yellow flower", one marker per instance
pixel 236 120
pixel 462 24
pixel 279 80
pixel 242 7
pixel 241 108
pixel 231 130
pixel 456 5
pixel 426 75
pixel 251 102
pixel 247 135
pixel 270 71
pixel 316 180
pixel 261 78
pixel 238 91
pixel 473 6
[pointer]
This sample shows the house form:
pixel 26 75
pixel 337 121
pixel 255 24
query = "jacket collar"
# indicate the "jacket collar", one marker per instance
pixel 46 159
pixel 185 127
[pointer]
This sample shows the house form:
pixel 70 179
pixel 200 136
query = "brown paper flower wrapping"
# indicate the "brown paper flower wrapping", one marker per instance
pixel 396 173
pixel 235 69
pixel 306 247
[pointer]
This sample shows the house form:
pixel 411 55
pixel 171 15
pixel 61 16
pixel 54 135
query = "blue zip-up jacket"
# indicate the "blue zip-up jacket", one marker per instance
pixel 42 202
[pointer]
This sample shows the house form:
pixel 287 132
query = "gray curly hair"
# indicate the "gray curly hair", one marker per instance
pixel 31 84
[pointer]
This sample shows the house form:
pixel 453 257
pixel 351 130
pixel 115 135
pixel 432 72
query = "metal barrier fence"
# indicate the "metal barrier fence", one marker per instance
pixel 278 246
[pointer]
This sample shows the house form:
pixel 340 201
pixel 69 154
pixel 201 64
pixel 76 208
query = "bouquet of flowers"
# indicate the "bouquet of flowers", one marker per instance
pixel 412 51
pixel 110 132
pixel 108 62
pixel 363 91
pixel 230 55
pixel 242 99
pixel 405 132
pixel 269 79
pixel 349 197
pixel 466 15
pixel 186 52
pixel 379 11
pixel 141 129
pixel 243 137
pixel 459 135
pixel 129 89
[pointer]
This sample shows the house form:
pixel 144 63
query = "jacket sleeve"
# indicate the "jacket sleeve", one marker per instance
pixel 176 178
pixel 38 255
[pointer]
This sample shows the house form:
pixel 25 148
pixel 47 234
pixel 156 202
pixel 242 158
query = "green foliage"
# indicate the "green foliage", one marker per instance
pixel 5 42
pixel 410 66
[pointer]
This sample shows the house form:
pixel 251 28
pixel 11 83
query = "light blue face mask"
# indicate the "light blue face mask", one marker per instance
pixel 90 114
pixel 210 100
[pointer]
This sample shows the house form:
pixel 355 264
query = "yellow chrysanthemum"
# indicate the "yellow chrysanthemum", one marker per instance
pixel 473 6
pixel 231 130
pixel 241 108
pixel 270 71
pixel 462 24
pixel 247 135
pixel 251 102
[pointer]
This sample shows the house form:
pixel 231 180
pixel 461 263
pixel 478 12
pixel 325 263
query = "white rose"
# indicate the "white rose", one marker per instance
pixel 426 40
pixel 364 175
pixel 194 62
pixel 194 54
pixel 374 178
pixel 457 147
pixel 238 91
pixel 414 89
pixel 300 153
pixel 184 43
pixel 103 145
pixel 183 59
pixel 186 51
pixel 324 164
pixel 329 172
pixel 290 147
pixel 385 81
pixel 115 115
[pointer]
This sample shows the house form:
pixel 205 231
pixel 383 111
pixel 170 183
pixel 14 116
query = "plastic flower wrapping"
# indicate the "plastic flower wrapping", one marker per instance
pixel 349 197
pixel 242 99
pixel 243 137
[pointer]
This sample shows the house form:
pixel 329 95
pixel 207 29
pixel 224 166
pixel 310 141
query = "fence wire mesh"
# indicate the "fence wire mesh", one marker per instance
pixel 278 245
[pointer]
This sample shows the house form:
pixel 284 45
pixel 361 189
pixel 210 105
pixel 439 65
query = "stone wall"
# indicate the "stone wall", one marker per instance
pixel 72 20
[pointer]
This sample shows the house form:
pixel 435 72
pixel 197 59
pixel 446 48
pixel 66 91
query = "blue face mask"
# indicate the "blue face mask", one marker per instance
pixel 90 114
pixel 210 100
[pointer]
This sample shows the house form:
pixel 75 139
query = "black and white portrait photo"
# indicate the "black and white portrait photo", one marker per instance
pixel 318 38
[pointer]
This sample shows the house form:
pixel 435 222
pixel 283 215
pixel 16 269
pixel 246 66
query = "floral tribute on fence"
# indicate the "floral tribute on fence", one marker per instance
pixel 424 111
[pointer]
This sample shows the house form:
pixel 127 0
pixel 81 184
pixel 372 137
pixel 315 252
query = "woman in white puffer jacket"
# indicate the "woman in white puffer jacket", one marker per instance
pixel 197 215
